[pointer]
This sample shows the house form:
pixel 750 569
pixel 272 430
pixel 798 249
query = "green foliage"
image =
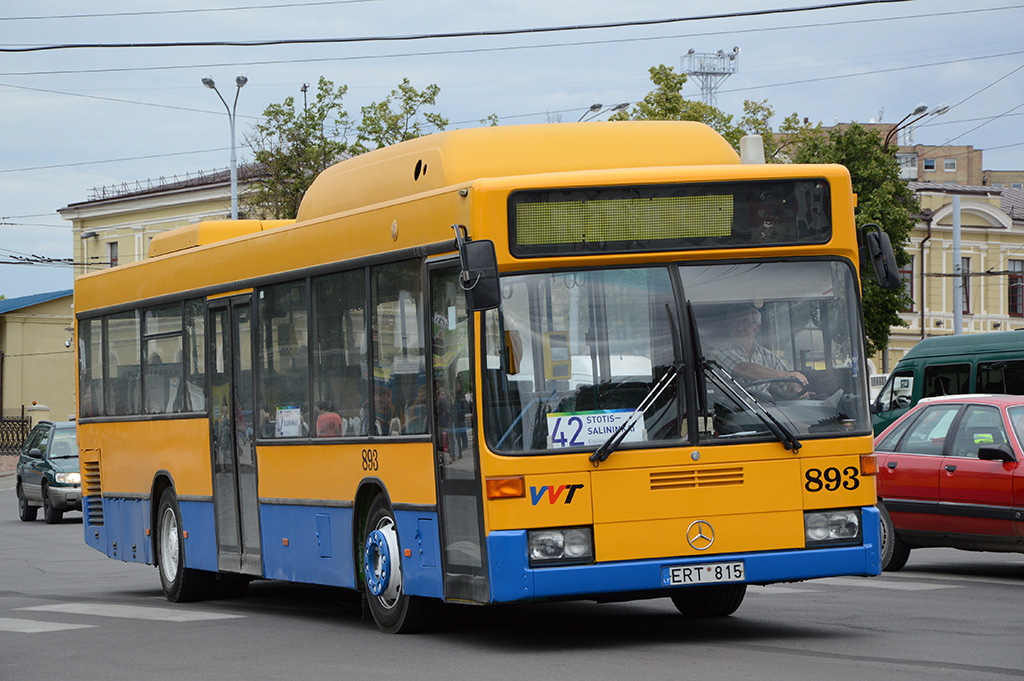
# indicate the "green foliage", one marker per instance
pixel 666 103
pixel 398 117
pixel 882 198
pixel 291 147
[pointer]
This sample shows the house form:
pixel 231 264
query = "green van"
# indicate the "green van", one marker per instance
pixel 952 365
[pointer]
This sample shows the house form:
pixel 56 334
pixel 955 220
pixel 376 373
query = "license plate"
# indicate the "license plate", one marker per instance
pixel 705 573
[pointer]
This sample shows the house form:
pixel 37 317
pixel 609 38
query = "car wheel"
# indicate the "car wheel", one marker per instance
pixel 180 584
pixel 710 601
pixel 25 512
pixel 894 551
pixel 394 611
pixel 50 514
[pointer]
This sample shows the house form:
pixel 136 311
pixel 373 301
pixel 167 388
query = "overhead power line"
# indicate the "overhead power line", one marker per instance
pixel 530 115
pixel 455 34
pixel 111 160
pixel 503 48
pixel 185 11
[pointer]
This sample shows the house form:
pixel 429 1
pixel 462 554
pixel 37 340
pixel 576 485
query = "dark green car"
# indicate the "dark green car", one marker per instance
pixel 48 474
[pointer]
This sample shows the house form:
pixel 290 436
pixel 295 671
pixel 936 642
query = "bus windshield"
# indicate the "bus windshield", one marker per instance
pixel 571 355
pixel 790 336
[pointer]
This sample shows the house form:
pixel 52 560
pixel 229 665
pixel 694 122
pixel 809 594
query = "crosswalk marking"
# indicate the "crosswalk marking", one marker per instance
pixel 777 590
pixel 877 583
pixel 136 612
pixel 816 585
pixel 32 627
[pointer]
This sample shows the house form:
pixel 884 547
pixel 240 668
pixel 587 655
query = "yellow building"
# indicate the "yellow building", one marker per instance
pixel 117 223
pixel 37 359
pixel 115 226
pixel 992 264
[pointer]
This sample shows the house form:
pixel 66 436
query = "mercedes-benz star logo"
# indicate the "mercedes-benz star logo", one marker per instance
pixel 700 535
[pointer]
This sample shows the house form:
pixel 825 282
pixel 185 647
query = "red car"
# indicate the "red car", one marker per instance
pixel 951 473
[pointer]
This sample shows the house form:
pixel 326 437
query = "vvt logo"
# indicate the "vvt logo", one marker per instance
pixel 553 493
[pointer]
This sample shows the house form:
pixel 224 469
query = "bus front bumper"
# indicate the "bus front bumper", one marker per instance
pixel 512 579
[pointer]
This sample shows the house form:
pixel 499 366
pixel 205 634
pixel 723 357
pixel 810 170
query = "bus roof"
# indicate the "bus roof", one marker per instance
pixel 966 344
pixel 457 157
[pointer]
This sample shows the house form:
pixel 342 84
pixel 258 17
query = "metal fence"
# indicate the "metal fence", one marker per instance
pixel 13 431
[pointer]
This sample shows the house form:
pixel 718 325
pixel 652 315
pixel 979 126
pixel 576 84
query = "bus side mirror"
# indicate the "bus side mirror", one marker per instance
pixel 479 276
pixel 883 260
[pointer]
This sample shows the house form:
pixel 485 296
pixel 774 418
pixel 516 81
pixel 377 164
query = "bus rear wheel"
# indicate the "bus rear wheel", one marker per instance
pixel 394 611
pixel 710 601
pixel 180 584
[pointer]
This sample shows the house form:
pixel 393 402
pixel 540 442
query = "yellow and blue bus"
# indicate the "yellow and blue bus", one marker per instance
pixel 596 361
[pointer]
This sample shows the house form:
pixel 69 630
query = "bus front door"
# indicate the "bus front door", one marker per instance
pixel 456 457
pixel 233 454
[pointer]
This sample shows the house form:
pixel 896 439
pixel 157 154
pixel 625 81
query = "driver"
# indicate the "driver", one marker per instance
pixel 748 361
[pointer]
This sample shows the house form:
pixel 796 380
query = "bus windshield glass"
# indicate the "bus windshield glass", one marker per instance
pixel 789 334
pixel 571 355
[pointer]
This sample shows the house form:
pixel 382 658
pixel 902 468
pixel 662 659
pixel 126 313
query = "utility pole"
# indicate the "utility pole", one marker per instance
pixel 958 279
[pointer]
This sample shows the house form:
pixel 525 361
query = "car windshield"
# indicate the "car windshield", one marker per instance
pixel 570 356
pixel 1016 415
pixel 64 445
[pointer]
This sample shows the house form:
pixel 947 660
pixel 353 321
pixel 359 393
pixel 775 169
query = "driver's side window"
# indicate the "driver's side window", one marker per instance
pixel 36 439
pixel 897 391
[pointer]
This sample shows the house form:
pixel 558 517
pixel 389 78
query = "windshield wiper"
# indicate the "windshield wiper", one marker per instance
pixel 729 385
pixel 615 439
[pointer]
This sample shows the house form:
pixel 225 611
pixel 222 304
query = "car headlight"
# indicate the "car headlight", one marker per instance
pixel 560 545
pixel 68 478
pixel 841 526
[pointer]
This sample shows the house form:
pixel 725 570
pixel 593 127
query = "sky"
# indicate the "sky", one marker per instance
pixel 77 118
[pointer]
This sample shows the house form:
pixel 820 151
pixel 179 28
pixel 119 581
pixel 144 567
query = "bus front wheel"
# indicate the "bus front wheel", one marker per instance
pixel 180 584
pixel 710 601
pixel 394 611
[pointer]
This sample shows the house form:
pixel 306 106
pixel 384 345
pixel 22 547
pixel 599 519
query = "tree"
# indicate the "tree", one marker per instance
pixel 882 198
pixel 667 103
pixel 398 117
pixel 291 147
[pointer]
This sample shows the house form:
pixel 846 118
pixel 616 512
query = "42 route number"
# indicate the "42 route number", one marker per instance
pixel 831 479
pixel 370 460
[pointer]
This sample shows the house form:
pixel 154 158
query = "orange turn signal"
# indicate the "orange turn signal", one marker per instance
pixel 506 488
pixel 868 464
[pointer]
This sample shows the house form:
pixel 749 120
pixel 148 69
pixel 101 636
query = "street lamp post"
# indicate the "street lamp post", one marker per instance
pixel 921 110
pixel 598 109
pixel 239 82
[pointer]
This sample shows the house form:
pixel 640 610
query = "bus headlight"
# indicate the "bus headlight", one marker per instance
pixel 68 478
pixel 841 526
pixel 560 545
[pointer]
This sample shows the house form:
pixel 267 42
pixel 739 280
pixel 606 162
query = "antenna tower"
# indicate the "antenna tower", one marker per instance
pixel 710 69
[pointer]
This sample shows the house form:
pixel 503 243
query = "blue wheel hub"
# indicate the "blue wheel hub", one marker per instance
pixel 377 563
